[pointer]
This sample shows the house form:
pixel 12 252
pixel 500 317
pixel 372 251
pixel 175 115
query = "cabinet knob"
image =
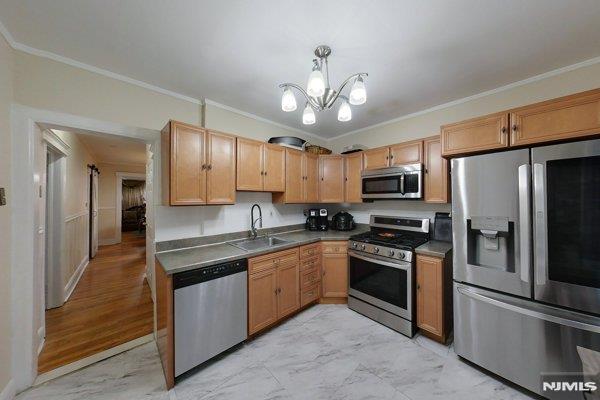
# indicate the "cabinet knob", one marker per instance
pixel 514 127
pixel 392 156
pixel 418 287
pixel 275 291
pixel 203 167
pixel 209 167
pixel 503 129
pixel 265 173
pixel 262 173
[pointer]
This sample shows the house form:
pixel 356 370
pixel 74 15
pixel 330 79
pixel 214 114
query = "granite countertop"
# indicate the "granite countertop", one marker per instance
pixel 174 261
pixel 435 248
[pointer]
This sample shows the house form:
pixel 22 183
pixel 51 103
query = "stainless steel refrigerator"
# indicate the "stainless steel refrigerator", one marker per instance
pixel 527 264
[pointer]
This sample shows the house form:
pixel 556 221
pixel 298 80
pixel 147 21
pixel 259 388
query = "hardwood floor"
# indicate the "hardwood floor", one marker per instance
pixel 111 305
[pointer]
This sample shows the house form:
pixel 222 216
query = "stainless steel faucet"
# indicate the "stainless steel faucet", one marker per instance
pixel 253 221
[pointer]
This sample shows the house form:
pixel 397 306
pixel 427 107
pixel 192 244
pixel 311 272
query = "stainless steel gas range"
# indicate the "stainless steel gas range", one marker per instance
pixel 381 270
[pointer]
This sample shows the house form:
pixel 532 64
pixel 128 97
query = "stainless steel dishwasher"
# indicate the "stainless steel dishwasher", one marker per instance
pixel 210 307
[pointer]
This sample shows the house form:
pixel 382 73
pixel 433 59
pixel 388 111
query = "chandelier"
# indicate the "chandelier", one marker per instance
pixel 320 96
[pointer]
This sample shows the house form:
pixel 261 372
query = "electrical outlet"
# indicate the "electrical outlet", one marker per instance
pixel 2 197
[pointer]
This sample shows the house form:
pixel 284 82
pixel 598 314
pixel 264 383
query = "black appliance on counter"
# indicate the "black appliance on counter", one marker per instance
pixel 342 221
pixel 442 227
pixel 316 219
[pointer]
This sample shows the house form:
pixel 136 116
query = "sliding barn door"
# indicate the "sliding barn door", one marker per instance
pixel 94 214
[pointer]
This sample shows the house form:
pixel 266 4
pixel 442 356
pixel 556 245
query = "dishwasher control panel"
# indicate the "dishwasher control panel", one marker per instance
pixel 200 275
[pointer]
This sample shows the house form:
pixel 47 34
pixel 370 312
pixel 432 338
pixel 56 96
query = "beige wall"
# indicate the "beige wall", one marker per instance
pixel 227 121
pixel 107 194
pixel 51 85
pixel 6 93
pixel 429 124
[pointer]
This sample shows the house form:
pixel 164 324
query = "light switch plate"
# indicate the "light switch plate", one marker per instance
pixel 2 197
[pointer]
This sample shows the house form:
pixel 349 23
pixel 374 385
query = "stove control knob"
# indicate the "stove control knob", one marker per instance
pixel 376 250
pixel 391 253
pixel 354 244
pixel 363 247
pixel 402 255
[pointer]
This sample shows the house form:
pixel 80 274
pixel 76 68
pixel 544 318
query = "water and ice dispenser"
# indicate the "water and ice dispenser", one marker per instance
pixel 490 242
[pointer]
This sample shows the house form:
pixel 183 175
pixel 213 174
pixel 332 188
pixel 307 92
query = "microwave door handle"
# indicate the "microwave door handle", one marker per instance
pixel 525 221
pixel 402 184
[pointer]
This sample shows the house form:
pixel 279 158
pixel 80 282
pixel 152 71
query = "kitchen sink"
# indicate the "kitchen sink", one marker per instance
pixel 259 243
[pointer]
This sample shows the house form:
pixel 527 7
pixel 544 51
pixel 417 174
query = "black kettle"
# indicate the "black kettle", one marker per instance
pixel 342 221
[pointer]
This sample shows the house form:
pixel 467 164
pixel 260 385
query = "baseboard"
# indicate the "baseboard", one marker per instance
pixel 75 278
pixel 94 358
pixel 9 391
pixel 108 242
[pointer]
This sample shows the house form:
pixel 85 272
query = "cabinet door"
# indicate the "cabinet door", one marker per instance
pixel 294 176
pixel 376 158
pixel 220 171
pixel 406 153
pixel 274 168
pixel 352 186
pixel 288 294
pixel 436 172
pixel 187 168
pixel 563 118
pixel 475 135
pixel 429 294
pixel 249 165
pixel 331 183
pixel 335 275
pixel 311 180
pixel 262 300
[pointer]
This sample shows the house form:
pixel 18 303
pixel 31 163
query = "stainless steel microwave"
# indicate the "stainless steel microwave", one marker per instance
pixel 401 182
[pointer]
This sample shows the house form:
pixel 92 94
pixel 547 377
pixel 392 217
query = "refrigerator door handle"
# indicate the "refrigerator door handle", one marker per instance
pixel 525 221
pixel 539 194
pixel 549 316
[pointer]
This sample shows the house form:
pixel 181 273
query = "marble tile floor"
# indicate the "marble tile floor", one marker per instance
pixel 325 352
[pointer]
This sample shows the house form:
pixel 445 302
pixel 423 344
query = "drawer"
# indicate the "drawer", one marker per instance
pixel 309 250
pixel 271 260
pixel 310 263
pixel 309 278
pixel 309 295
pixel 338 247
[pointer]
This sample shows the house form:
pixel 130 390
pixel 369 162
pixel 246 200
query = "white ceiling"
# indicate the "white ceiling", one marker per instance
pixel 418 53
pixel 113 149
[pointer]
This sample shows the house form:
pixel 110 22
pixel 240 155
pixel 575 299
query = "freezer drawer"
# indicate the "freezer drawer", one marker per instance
pixel 520 339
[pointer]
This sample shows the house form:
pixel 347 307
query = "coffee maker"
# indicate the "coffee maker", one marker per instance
pixel 316 219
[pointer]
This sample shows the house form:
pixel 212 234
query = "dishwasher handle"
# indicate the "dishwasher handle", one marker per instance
pixel 210 273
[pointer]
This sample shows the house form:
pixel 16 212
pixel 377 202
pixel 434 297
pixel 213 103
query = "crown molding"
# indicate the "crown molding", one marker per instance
pixel 259 118
pixel 452 103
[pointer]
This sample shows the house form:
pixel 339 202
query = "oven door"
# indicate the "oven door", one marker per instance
pixel 381 282
pixel 566 194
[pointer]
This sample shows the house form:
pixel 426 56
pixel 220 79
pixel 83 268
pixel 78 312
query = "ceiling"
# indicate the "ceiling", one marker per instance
pixel 113 149
pixel 418 54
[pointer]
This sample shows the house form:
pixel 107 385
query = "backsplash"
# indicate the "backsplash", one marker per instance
pixel 188 222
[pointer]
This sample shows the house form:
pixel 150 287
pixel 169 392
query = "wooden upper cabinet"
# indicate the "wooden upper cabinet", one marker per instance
pixel 376 158
pixel 274 168
pixel 288 292
pixel 436 172
pixel 311 181
pixel 352 169
pixel 475 135
pixel 184 163
pixel 249 165
pixel 567 117
pixel 294 178
pixel 331 181
pixel 406 153
pixel 220 169
pixel 430 289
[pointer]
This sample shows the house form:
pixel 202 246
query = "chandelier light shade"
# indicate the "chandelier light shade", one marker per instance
pixel 288 101
pixel 344 112
pixel 308 115
pixel 320 96
pixel 358 93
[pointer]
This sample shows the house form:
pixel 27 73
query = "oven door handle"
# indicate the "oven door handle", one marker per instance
pixel 403 266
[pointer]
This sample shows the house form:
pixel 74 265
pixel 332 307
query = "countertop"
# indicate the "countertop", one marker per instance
pixel 435 248
pixel 175 261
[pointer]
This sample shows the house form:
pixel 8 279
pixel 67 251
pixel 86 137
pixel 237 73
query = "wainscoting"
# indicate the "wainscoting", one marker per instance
pixel 76 250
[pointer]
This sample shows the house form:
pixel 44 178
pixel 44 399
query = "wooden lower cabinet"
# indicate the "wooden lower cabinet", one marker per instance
pixel 288 292
pixel 334 280
pixel 165 333
pixel 434 296
pixel 262 300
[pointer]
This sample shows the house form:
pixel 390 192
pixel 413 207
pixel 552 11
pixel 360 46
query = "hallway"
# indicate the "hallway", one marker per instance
pixel 111 305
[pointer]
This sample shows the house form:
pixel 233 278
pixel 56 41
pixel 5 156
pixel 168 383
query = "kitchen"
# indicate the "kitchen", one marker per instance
pixel 426 254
